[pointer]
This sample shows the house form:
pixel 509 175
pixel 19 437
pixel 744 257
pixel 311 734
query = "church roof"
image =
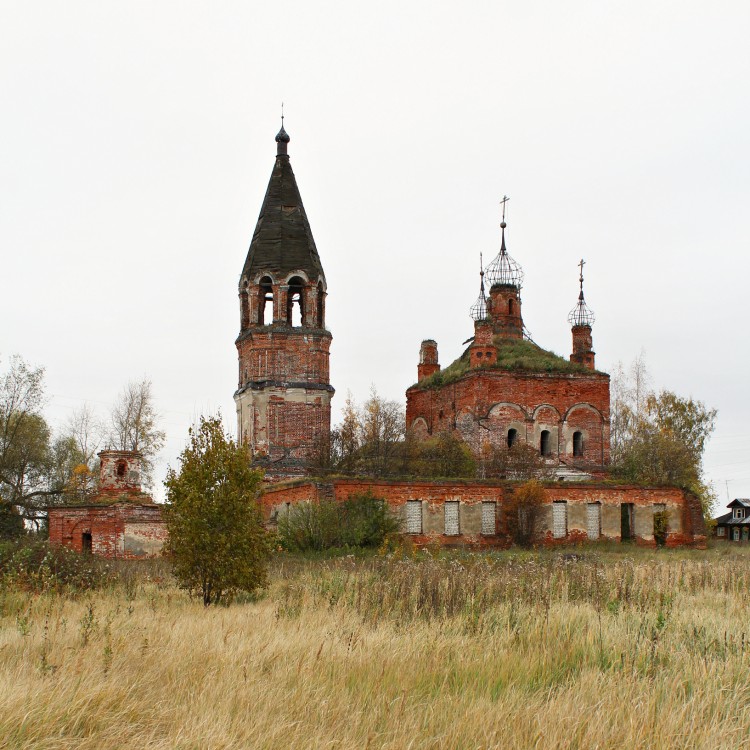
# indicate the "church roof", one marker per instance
pixel 282 241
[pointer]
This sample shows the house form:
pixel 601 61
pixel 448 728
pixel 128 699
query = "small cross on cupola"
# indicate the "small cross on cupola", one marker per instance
pixel 282 137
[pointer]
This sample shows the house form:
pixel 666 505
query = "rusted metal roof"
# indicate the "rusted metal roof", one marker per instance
pixel 283 240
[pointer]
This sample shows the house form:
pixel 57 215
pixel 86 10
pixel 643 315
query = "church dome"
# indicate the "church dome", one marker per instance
pixel 503 270
pixel 581 314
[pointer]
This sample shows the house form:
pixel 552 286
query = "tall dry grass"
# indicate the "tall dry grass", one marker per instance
pixel 513 651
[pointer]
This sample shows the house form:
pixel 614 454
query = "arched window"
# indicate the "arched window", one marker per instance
pixel 544 443
pixel 577 444
pixel 321 305
pixel 512 437
pixel 120 469
pixel 265 294
pixel 511 307
pixel 295 302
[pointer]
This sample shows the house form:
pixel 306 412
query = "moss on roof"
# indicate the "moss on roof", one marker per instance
pixel 516 355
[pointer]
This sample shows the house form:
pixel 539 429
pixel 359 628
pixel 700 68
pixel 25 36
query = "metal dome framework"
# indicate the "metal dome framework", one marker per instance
pixel 478 310
pixel 504 271
pixel 581 315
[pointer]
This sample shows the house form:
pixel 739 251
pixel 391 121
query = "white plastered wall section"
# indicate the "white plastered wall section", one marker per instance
pixel 253 426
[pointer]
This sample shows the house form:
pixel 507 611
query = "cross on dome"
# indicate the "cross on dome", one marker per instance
pixel 504 271
pixel 581 315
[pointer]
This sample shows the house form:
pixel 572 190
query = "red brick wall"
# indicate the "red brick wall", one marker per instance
pixel 686 525
pixel 299 357
pixel 107 526
pixel 497 398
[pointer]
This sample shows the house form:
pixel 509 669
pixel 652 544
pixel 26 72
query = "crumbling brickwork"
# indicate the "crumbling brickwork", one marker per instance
pixel 120 521
pixel 479 500
pixel 122 530
pixel 485 404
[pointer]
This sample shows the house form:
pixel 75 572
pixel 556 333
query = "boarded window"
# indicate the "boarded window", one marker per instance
pixel 414 517
pixel 451 518
pixel 559 520
pixel 594 520
pixel 489 514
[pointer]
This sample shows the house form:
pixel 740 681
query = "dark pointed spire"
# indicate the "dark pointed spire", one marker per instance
pixel 283 241
pixel 581 315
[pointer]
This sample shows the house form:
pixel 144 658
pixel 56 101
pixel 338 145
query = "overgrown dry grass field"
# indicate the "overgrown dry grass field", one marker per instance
pixel 597 649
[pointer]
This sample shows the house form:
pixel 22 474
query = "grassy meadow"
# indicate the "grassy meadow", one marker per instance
pixel 608 648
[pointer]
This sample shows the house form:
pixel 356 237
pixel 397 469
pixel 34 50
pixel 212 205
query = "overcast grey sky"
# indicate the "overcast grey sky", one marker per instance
pixel 136 143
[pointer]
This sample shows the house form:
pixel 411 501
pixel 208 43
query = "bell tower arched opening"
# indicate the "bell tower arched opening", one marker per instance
pixel 265 295
pixel 295 302
pixel 321 306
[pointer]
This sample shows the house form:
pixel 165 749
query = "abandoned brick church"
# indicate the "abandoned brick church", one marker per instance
pixel 503 390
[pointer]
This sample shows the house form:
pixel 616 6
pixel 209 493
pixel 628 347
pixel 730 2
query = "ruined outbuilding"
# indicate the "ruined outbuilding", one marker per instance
pixel 119 521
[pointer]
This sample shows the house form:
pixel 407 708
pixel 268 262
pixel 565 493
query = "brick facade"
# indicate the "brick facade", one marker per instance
pixel 685 520
pixel 122 530
pixel 484 405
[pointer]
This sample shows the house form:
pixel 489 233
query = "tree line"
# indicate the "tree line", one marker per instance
pixel 41 467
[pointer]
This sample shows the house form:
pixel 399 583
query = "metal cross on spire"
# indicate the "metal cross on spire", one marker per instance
pixel 580 315
pixel 282 114
pixel 502 203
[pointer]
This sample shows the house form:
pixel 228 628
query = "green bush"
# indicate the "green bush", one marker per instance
pixel 361 520
pixel 11 523
pixel 36 565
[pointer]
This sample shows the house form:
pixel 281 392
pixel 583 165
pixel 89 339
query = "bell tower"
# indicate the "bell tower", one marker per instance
pixel 283 397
